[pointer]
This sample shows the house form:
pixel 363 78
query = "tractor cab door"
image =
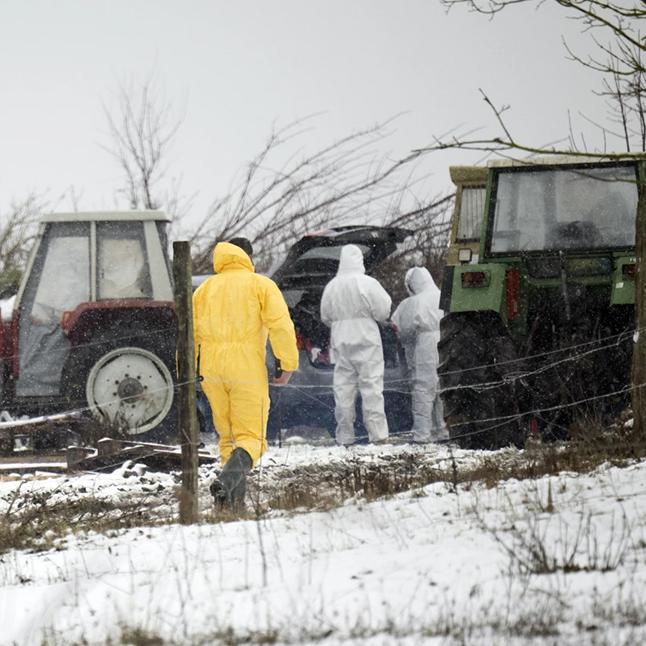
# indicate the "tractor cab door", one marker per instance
pixel 59 279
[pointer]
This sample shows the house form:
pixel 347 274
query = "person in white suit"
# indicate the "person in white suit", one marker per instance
pixel 351 305
pixel 417 319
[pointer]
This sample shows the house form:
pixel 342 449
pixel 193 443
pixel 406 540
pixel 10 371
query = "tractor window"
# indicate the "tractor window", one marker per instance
pixel 471 212
pixel 578 208
pixel 65 278
pixel 122 264
pixel 59 280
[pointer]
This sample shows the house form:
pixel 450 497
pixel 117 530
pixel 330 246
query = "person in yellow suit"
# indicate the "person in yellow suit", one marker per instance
pixel 234 312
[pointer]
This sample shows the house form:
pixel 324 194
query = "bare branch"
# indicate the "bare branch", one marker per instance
pixel 141 130
pixel 275 203
pixel 615 31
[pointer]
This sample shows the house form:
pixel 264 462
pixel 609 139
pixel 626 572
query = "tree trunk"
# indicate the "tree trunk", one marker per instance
pixel 639 349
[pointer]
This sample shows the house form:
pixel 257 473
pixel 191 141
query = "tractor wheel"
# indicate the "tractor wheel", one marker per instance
pixel 126 382
pixel 477 381
pixel 595 372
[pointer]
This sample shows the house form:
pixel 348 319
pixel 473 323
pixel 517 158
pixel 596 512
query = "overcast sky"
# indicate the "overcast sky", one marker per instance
pixel 233 69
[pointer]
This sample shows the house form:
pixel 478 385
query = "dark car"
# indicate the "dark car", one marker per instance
pixel 310 264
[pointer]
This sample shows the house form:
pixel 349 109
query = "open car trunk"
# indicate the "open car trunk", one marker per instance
pixel 312 263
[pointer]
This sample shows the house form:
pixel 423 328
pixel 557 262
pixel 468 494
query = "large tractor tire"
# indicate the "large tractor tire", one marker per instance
pixel 584 384
pixel 478 373
pixel 125 381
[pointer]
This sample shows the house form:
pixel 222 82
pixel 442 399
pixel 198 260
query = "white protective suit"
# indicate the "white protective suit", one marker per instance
pixel 418 324
pixel 351 304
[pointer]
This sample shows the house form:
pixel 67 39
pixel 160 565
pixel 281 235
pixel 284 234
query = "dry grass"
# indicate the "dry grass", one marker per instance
pixel 320 487
pixel 41 521
pixel 536 545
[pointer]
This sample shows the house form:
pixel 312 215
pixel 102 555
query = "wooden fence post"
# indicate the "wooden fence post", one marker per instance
pixel 186 405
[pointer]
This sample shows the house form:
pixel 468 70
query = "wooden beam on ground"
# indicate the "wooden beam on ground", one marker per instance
pixel 112 453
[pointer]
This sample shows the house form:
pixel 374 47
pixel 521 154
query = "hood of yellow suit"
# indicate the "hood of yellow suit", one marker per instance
pixel 229 256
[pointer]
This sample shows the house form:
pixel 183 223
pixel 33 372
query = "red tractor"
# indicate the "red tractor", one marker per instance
pixel 93 325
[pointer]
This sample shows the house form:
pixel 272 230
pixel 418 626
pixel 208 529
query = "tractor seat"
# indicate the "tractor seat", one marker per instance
pixel 573 235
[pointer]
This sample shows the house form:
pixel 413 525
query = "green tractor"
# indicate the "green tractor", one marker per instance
pixel 537 336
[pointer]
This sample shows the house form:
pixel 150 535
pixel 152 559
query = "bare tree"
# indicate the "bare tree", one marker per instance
pixel 141 130
pixel 276 202
pixel 279 196
pixel 626 98
pixel 614 28
pixel 18 226
pixel 430 224
pixel 620 62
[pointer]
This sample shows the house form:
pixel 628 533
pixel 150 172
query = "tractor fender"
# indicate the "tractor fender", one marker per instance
pixel 478 288
pixel 121 365
pixel 82 323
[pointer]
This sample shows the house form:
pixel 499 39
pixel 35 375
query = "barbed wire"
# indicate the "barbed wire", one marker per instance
pixel 501 421
pixel 478 386
pixel 148 332
pixel 318 400
pixel 626 333
pixel 489 385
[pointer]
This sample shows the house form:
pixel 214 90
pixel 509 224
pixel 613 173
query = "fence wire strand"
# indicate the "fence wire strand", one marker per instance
pixel 477 386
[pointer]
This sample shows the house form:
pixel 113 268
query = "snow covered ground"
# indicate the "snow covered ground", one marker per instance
pixel 558 560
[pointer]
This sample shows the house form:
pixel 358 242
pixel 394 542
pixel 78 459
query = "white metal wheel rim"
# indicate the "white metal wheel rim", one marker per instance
pixel 142 413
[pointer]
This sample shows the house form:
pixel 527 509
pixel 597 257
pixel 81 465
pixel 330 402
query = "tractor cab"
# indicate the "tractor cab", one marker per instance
pixel 93 321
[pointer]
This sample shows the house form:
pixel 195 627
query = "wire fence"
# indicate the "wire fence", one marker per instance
pixel 320 394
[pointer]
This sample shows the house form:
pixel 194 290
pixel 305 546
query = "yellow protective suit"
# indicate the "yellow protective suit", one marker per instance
pixel 233 312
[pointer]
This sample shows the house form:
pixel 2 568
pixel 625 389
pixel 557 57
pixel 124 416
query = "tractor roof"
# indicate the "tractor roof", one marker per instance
pixel 468 174
pixel 558 160
pixel 103 216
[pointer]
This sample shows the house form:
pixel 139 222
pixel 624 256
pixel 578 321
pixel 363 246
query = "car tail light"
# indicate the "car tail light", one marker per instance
pixel 629 271
pixel 512 291
pixel 317 356
pixel 321 358
pixel 302 342
pixel 474 279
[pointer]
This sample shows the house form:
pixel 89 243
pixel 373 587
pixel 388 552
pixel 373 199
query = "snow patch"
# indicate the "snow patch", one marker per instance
pixel 429 566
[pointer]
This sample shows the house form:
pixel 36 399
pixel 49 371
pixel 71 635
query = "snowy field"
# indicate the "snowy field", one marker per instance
pixel 557 560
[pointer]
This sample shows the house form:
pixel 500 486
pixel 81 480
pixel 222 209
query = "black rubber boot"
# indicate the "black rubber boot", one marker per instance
pixel 219 495
pixel 229 489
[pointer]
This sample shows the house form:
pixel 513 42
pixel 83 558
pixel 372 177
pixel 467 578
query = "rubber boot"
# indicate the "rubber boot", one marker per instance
pixel 229 489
